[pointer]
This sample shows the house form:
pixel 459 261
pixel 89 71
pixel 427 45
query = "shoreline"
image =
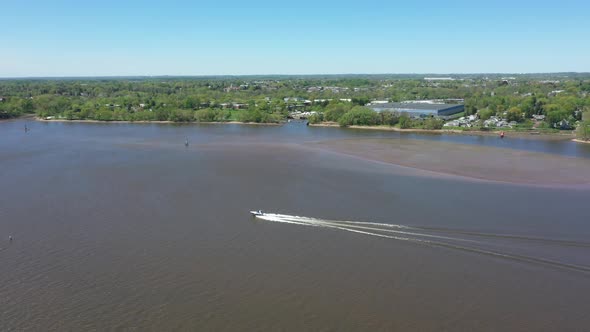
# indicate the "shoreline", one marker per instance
pixel 519 134
pixel 21 117
pixel 580 141
pixel 159 122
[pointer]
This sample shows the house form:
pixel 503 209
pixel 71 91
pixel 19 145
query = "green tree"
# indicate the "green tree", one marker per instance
pixel 583 130
pixel 360 101
pixel 514 114
pixel 181 116
pixel 316 118
pixel 70 115
pixel 335 111
pixel 104 115
pixel 433 123
pixel 486 114
pixel 389 118
pixel 191 102
pixel 405 121
pixel 27 105
pixel 528 106
pixel 359 116
pixel 205 115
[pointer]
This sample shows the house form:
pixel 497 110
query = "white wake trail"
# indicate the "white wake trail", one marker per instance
pixel 372 229
pixel 286 216
pixel 307 221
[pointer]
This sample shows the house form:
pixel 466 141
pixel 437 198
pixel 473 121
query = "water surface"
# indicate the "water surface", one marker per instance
pixel 120 226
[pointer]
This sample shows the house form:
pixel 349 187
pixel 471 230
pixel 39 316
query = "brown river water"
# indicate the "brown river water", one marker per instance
pixel 122 227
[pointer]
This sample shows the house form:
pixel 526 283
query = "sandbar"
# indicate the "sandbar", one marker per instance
pixel 470 161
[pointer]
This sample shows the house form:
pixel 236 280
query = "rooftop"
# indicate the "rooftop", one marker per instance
pixel 414 106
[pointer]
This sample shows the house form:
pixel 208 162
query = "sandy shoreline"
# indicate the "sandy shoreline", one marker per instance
pixel 158 122
pixel 580 141
pixel 532 135
pixel 469 161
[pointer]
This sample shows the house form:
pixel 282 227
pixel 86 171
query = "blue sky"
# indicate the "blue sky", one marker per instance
pixel 106 38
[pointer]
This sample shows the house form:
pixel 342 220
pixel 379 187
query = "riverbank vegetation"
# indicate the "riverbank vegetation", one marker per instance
pixel 559 98
pixel 583 130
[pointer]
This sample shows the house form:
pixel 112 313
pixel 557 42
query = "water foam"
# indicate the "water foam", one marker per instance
pixel 417 235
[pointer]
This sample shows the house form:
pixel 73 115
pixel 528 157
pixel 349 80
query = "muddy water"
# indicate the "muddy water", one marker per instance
pixel 123 227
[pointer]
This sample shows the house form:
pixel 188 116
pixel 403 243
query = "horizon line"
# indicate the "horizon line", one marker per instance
pixel 318 74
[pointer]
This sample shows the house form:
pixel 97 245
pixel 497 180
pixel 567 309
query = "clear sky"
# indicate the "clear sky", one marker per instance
pixel 132 37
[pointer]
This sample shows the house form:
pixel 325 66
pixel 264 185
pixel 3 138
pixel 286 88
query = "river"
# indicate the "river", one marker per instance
pixel 123 227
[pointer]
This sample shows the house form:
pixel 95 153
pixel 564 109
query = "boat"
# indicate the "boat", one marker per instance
pixel 257 213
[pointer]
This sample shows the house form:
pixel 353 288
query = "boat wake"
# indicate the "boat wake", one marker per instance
pixel 466 241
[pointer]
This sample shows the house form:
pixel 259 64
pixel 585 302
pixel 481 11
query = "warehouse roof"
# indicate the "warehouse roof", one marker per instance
pixel 414 106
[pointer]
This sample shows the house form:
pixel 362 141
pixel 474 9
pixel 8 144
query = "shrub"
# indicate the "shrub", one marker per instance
pixel 316 118
pixel 335 111
pixel 514 114
pixel 359 116
pixel 583 130
pixel 405 121
pixel 205 115
pixel 433 123
pixel 486 114
pixel 389 118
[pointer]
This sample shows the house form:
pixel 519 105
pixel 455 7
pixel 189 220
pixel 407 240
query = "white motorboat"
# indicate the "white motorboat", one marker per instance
pixel 257 213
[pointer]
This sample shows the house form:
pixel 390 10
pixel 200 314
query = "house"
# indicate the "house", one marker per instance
pixel 292 99
pixel 495 121
pixel 298 115
pixel 238 106
pixel 439 79
pixel 563 125
pixel 231 88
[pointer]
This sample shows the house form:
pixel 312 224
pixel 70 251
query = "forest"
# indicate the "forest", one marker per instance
pixel 561 98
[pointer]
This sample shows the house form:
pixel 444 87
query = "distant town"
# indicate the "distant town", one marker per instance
pixel 533 102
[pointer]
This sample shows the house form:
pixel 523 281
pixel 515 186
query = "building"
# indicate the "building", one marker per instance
pixel 420 109
pixel 439 79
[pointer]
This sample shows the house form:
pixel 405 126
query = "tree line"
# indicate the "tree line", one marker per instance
pixel 269 99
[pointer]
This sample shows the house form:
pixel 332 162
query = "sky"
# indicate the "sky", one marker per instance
pixel 143 38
